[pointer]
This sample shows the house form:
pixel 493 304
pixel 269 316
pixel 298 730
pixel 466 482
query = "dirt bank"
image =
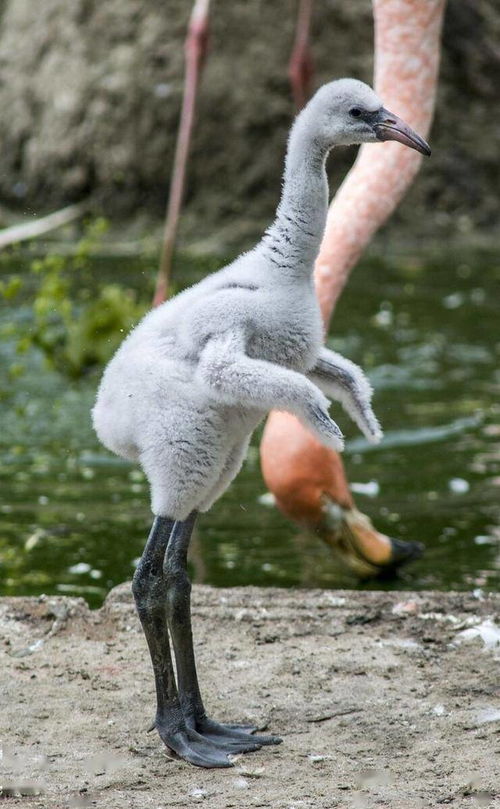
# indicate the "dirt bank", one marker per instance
pixel 380 699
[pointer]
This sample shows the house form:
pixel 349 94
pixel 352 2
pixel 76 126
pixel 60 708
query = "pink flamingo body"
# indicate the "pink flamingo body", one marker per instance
pixel 306 478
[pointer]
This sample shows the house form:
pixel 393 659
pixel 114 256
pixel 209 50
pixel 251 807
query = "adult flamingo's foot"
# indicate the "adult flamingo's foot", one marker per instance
pixel 360 547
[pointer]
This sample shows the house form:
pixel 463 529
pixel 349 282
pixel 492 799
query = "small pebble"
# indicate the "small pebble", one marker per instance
pixel 405 608
pixel 241 783
pixel 315 759
pixel 198 794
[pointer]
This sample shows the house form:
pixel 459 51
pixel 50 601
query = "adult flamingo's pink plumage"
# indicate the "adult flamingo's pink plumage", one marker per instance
pixel 308 480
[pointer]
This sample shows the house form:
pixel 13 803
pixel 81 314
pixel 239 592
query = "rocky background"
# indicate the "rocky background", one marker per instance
pixel 90 95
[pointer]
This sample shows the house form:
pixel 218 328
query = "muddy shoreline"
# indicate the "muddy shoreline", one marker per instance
pixel 381 699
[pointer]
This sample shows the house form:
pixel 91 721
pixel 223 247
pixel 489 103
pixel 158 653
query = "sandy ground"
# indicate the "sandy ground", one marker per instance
pixel 381 699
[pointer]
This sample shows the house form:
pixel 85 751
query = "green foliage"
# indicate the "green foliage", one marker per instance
pixel 101 326
pixel 75 327
pixel 10 288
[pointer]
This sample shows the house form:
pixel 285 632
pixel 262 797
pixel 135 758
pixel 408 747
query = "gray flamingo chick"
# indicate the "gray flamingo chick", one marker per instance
pixel 189 385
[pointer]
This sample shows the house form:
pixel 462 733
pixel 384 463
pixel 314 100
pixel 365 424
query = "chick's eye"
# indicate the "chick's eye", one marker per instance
pixel 355 112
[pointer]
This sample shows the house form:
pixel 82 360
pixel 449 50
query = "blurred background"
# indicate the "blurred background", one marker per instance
pixel 89 104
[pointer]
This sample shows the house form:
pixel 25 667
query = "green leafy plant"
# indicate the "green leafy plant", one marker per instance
pixel 74 326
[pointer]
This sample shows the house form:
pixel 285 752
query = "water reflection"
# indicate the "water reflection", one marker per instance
pixel 74 518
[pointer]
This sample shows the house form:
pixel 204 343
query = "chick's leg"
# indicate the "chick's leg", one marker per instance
pixel 230 738
pixel 150 595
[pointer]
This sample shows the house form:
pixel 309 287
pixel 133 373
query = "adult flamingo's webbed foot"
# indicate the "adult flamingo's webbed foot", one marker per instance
pixel 162 592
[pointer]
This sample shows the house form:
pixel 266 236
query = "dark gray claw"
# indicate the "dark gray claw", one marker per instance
pixel 241 726
pixel 223 734
pixel 190 746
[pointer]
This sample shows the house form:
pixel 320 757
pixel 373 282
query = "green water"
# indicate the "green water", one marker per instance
pixel 73 519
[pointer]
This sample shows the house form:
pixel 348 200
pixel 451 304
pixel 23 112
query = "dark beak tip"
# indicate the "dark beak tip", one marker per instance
pixel 425 149
pixel 405 136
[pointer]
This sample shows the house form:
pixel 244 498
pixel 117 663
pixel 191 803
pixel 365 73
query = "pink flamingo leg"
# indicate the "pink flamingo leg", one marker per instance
pixel 300 67
pixel 195 50
pixel 308 480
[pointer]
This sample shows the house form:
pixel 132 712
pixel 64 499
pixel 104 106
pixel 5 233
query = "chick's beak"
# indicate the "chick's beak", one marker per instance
pixel 389 127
